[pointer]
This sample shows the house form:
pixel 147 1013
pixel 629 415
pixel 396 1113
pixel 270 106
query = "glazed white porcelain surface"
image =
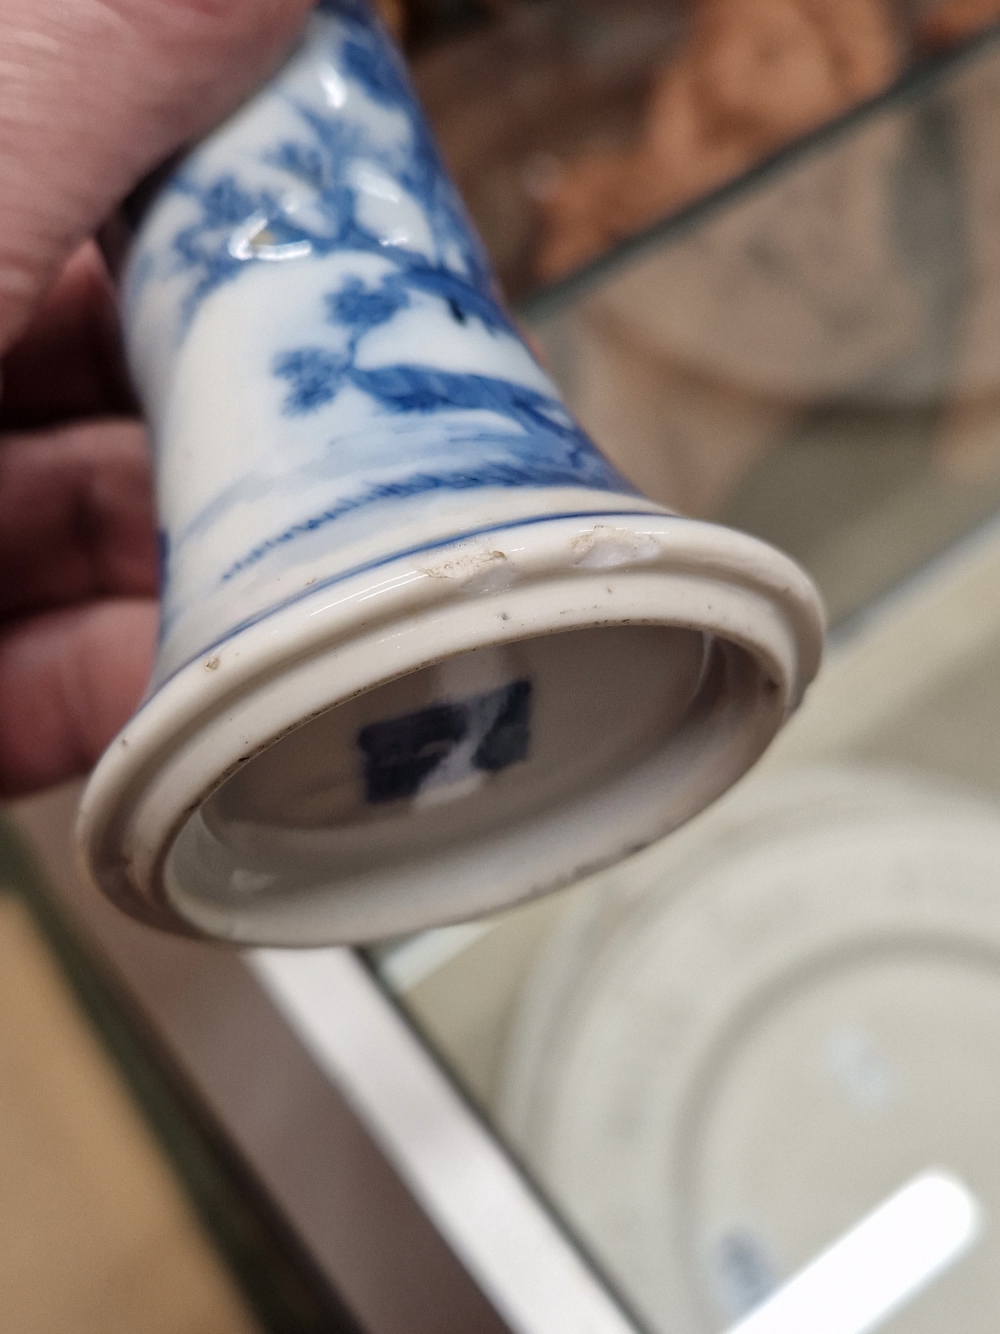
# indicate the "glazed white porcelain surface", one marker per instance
pixel 314 332
pixel 362 475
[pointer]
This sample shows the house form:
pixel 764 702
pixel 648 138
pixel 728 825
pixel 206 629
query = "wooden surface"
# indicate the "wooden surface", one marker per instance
pixel 96 1237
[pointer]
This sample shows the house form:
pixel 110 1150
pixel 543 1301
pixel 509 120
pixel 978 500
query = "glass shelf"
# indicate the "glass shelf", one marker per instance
pixel 722 1056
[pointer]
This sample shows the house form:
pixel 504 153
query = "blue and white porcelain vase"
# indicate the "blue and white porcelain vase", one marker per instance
pixel 423 652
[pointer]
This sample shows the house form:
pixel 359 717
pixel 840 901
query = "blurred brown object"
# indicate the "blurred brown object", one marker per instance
pixel 569 125
pixel 751 76
pixel 952 22
pixel 512 100
pixel 393 14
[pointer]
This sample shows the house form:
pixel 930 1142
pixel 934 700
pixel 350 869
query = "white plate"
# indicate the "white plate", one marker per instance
pixel 741 1043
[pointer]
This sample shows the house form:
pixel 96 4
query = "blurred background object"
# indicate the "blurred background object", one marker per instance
pixel 748 77
pixel 942 24
pixel 571 125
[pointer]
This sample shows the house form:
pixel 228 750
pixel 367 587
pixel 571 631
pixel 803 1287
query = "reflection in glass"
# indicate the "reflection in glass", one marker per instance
pixel 878 1266
pixel 819 359
pixel 728 1052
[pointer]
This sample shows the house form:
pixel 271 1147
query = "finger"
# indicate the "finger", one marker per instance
pixel 69 362
pixel 97 92
pixel 70 679
pixel 76 518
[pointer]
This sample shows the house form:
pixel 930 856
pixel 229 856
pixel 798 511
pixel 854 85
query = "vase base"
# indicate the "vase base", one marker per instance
pixel 435 746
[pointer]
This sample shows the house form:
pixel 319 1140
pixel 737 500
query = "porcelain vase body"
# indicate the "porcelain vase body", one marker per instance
pixel 314 331
pixel 381 531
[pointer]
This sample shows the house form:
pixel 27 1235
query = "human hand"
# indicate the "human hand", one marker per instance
pixel 93 94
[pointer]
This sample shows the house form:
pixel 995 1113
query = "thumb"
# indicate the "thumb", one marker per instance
pixel 93 94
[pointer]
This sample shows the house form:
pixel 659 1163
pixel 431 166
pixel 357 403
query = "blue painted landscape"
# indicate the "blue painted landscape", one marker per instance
pixel 482 429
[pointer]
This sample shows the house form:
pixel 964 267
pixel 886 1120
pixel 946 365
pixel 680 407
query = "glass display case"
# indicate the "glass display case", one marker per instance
pixel 747 1078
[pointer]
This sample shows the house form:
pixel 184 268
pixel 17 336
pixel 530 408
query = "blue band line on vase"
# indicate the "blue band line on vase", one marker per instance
pixel 381 561
pixel 495 474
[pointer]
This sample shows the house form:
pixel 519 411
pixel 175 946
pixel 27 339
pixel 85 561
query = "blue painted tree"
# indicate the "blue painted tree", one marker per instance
pixel 533 441
pixel 321 161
